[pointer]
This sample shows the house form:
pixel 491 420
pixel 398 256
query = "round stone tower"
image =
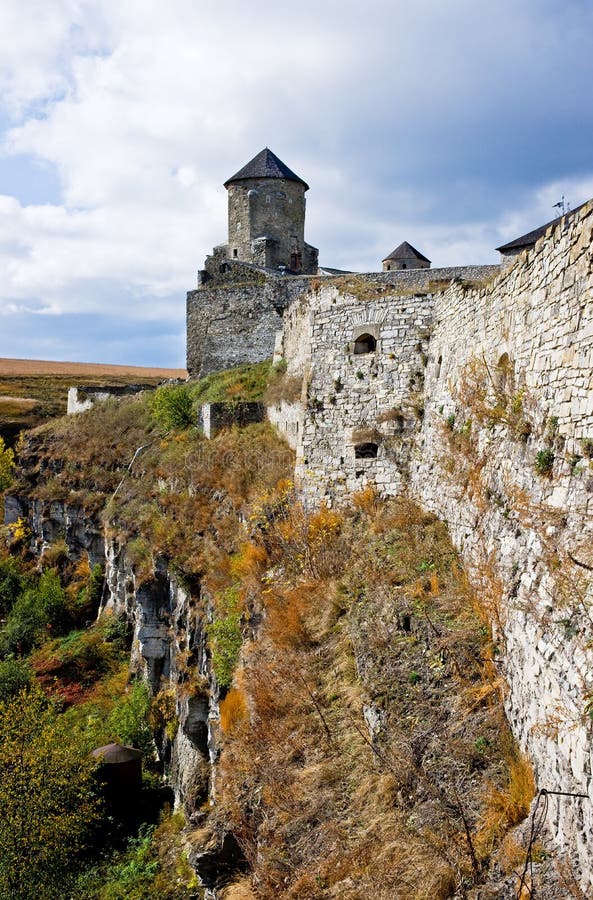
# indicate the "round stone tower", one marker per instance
pixel 266 203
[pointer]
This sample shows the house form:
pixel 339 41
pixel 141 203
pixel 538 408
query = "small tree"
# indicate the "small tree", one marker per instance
pixel 48 803
pixel 6 465
pixel 172 407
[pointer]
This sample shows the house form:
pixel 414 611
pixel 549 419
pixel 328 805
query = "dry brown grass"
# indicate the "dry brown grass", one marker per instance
pixel 240 890
pixel 233 711
pixel 506 806
pixel 322 803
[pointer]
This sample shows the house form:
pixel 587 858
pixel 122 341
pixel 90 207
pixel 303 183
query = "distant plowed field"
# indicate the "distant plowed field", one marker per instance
pixel 12 367
pixel 34 390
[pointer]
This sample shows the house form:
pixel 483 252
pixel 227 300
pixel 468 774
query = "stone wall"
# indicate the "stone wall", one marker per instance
pixel 357 401
pixel 512 475
pixel 213 417
pixel 82 398
pixel 237 322
pixel 287 418
pixel 417 280
pixel 479 402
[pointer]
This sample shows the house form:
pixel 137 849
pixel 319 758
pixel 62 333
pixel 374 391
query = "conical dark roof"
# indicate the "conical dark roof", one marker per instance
pixel 405 251
pixel 266 165
pixel 116 753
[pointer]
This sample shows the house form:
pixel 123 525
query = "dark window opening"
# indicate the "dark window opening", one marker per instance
pixel 368 450
pixel 365 343
pixel 235 254
pixel 295 262
pixel 404 265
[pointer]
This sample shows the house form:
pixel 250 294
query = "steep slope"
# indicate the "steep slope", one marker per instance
pixel 326 698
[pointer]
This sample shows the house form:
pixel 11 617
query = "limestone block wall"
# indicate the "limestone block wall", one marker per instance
pixel 357 403
pixel 479 400
pixel 504 455
pixel 287 418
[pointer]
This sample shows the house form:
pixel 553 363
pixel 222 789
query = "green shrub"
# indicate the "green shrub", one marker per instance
pixel 172 407
pixel 96 580
pixel 117 630
pixel 24 625
pixel 6 465
pixel 11 583
pixel 39 609
pixel 52 601
pixel 225 637
pixel 48 800
pixel 15 675
pixel 544 461
pixel 128 721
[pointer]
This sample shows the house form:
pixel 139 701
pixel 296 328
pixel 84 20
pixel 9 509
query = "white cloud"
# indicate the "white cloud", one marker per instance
pixel 398 116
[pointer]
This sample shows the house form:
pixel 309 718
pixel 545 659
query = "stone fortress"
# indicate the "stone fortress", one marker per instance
pixel 469 389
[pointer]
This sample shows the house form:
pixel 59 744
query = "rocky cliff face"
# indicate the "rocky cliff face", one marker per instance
pixel 169 651
pixel 52 521
pixel 160 532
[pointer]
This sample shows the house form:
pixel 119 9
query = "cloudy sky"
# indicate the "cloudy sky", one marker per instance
pixel 453 124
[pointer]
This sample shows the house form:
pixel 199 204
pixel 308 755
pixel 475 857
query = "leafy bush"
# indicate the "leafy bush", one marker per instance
pixel 52 601
pixel 128 720
pixel 11 583
pixel 544 461
pixel 153 866
pixel 24 625
pixel 40 608
pixel 117 630
pixel 49 806
pixel 6 465
pixel 225 637
pixel 172 407
pixel 15 675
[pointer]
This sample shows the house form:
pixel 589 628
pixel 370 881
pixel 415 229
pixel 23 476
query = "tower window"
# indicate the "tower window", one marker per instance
pixel 368 450
pixel 235 253
pixel 365 343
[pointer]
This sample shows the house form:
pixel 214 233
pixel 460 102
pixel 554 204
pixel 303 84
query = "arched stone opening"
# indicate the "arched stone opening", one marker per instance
pixel 365 343
pixel 503 375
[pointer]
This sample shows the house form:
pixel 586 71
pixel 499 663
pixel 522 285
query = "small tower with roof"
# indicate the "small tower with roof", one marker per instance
pixel 266 210
pixel 405 257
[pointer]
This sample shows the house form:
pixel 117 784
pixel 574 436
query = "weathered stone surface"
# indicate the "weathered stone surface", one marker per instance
pixel 526 536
